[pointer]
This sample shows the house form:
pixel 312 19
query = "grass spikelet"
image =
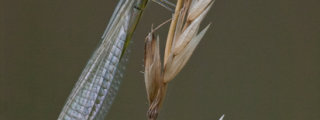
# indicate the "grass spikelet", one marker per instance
pixel 177 56
pixel 152 63
pixel 183 38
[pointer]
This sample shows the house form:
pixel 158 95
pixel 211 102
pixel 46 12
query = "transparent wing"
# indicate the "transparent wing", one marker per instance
pixel 97 86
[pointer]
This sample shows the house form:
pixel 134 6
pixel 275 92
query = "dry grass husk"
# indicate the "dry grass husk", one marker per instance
pixel 183 38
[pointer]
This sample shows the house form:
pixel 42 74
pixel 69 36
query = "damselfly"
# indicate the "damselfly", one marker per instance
pixel 98 84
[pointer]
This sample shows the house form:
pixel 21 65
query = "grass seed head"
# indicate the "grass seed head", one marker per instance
pixel 152 63
pixel 184 43
pixel 183 38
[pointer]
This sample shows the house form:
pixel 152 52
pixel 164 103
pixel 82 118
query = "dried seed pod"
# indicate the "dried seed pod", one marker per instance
pixel 184 44
pixel 152 65
pixel 155 86
pixel 183 38
pixel 190 31
pixel 175 63
pixel 196 8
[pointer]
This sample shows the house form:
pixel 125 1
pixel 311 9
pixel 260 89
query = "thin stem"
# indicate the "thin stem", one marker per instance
pixel 172 29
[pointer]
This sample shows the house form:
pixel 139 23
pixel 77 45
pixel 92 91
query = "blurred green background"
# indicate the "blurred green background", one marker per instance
pixel 259 61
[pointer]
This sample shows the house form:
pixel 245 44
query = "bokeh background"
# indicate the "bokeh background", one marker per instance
pixel 259 61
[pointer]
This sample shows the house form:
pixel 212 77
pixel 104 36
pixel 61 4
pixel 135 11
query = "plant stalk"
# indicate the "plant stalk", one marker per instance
pixel 172 29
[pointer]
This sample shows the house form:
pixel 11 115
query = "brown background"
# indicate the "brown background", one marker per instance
pixel 260 61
